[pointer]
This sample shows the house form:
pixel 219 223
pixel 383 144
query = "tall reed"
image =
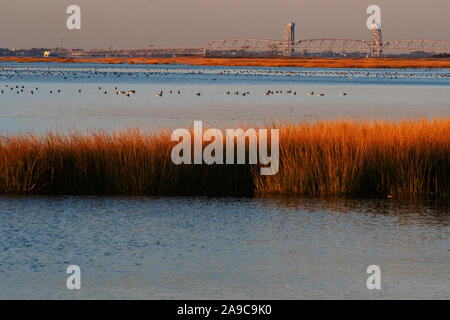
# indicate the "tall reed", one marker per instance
pixel 362 158
pixel 345 158
pixel 127 163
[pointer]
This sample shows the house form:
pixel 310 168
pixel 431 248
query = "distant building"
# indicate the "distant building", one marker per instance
pixel 48 54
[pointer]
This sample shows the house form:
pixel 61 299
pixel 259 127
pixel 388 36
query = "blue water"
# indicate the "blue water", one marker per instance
pixel 167 74
pixel 371 94
pixel 228 248
pixel 223 248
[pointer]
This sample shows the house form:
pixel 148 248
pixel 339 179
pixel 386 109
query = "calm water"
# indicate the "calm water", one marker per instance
pixel 229 248
pixel 371 93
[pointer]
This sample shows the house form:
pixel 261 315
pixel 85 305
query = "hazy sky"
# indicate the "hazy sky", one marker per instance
pixel 193 23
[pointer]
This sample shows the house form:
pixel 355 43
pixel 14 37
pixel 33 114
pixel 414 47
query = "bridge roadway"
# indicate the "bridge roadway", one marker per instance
pixel 327 45
pixel 340 46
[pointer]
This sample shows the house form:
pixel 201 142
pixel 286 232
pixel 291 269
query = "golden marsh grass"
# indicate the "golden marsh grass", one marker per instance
pixel 304 62
pixel 345 158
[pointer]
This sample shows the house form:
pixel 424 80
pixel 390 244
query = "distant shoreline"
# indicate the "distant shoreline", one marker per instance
pixel 362 63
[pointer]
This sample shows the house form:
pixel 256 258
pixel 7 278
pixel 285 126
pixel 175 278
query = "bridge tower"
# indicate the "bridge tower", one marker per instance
pixel 376 43
pixel 289 39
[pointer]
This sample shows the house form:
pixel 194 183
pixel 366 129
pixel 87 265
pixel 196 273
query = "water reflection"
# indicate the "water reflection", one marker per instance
pixel 433 211
pixel 229 248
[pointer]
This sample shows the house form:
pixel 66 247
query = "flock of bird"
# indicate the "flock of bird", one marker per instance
pixel 83 73
pixel 349 74
pixel 90 74
pixel 18 89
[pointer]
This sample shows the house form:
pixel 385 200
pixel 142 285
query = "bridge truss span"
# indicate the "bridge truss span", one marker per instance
pixel 245 44
pixel 298 47
pixel 288 46
pixel 332 45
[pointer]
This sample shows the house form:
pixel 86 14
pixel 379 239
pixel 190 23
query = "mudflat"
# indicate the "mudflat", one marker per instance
pixel 382 63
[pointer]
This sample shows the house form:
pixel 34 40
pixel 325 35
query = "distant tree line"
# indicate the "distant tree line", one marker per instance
pixel 442 55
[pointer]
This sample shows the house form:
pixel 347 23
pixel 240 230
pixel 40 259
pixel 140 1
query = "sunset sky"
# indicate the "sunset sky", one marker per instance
pixel 193 23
